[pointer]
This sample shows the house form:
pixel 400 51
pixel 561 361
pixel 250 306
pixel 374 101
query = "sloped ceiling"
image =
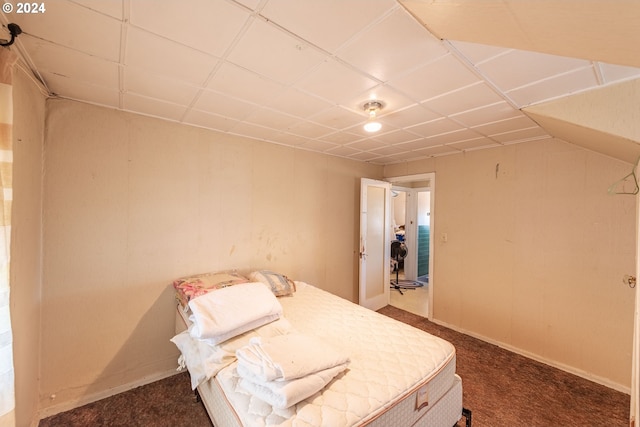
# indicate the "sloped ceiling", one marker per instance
pixel 454 75
pixel 599 30
pixel 606 120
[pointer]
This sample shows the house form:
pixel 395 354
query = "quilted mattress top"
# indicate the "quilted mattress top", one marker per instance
pixel 389 360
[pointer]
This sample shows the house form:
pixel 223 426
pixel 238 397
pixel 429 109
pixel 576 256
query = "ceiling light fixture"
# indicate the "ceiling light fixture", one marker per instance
pixel 372 108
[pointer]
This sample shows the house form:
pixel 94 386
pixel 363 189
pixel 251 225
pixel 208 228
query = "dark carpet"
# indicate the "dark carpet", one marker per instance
pixel 501 388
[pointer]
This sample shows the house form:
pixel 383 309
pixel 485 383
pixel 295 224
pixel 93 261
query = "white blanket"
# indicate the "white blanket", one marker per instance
pixel 204 360
pixel 284 394
pixel 287 357
pixel 228 312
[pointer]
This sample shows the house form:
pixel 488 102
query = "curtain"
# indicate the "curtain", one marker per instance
pixel 7 385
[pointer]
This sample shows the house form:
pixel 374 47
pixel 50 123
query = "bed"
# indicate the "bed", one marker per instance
pixel 390 374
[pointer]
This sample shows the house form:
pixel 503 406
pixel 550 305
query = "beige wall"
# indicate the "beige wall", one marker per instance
pixel 536 252
pixel 534 257
pixel 132 203
pixel 26 243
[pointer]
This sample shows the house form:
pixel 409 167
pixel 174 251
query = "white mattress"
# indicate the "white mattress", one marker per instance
pixel 445 412
pixel 391 364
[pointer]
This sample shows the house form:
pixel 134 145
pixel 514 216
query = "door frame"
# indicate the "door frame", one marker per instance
pixel 410 235
pixel 431 177
pixel 412 212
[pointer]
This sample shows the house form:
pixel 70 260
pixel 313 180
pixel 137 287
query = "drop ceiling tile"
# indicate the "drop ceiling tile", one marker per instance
pixel 328 23
pixel 356 46
pixel 317 145
pixel 368 145
pixel 475 144
pixel 417 145
pixel 443 75
pixel 342 151
pixel 490 113
pixel 387 150
pixel 269 51
pixel 397 136
pixel 335 82
pixel 210 121
pixel 146 84
pixel 507 125
pixel 251 4
pixel 91 94
pixel 409 116
pixel 245 85
pixel 456 136
pixel 405 157
pixel 516 68
pixel 76 27
pixel 309 129
pixel 438 150
pixel 383 160
pixel 161 56
pixel 526 138
pixel 218 103
pixel 392 46
pixel 612 73
pixel 111 8
pixel 341 137
pixel 271 119
pixel 478 53
pixel 363 156
pixel 75 89
pixel 65 62
pixel 471 97
pixel 153 107
pixel 443 139
pixel 297 103
pixel 208 26
pixel 520 135
pixel 435 127
pixel 289 139
pixel 561 85
pixel 338 118
pixel 253 131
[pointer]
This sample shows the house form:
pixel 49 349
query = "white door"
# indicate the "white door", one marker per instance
pixel 375 223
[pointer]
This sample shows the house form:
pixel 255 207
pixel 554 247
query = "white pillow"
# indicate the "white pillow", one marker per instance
pixel 279 284
pixel 231 311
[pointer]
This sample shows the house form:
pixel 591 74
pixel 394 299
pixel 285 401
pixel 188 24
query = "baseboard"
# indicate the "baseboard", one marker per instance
pixel 90 398
pixel 586 375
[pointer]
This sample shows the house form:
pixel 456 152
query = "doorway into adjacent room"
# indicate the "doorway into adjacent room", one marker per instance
pixel 412 216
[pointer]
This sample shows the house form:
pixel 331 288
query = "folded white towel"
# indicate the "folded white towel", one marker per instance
pixel 231 311
pixel 287 357
pixel 284 394
pixel 203 359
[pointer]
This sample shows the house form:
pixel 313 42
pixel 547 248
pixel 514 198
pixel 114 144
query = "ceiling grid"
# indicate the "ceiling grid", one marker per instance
pixel 298 73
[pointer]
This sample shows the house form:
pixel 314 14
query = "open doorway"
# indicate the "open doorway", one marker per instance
pixel 412 220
